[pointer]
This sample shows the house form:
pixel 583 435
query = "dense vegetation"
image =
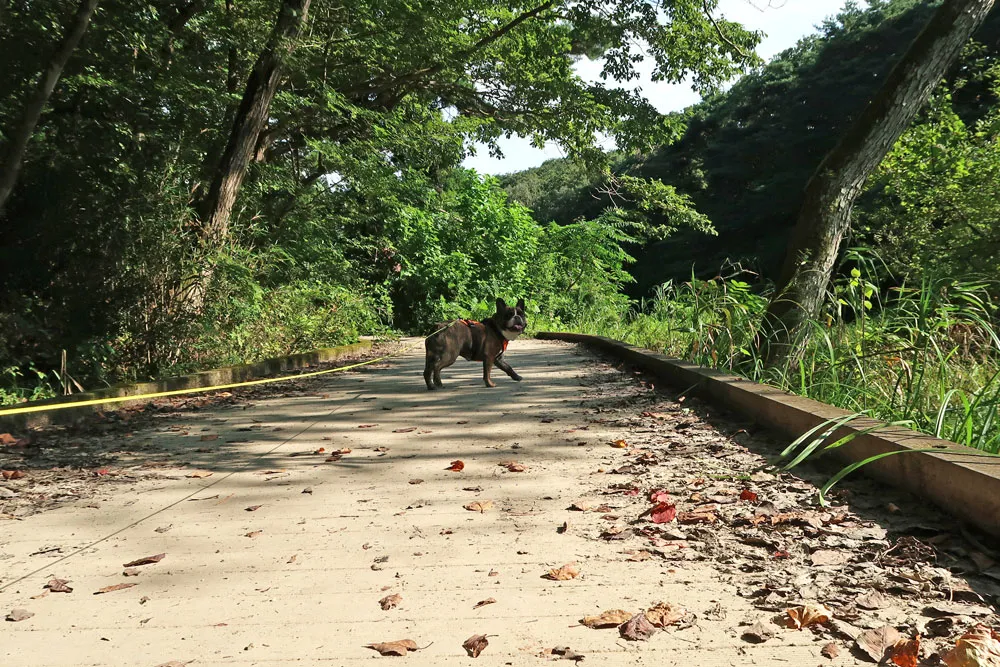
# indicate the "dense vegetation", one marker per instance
pixel 213 181
pixel 353 216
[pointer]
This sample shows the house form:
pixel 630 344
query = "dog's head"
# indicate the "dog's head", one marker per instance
pixel 511 319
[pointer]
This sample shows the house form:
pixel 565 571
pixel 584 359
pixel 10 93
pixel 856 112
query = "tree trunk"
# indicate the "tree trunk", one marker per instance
pixel 835 185
pixel 12 155
pixel 251 117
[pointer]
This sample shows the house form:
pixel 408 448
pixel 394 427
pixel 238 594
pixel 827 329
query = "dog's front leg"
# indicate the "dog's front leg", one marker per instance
pixel 505 367
pixel 486 373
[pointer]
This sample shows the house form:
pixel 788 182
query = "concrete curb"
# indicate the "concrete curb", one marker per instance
pixel 958 479
pixel 217 376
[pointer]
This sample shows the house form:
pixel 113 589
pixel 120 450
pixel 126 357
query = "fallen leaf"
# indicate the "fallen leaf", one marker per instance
pixel 308 490
pixel 696 517
pixel 131 572
pixel 664 614
pixel 17 615
pixel 456 466
pixel 830 557
pixel 637 628
pixel 7 439
pixel 148 560
pixel 565 573
pixel 759 632
pixel 580 506
pixel 514 466
pixel 59 586
pixel 906 652
pixel 564 652
pixel 398 647
pixel 200 474
pixel 173 663
pixel 659 496
pixel 638 555
pixel 11 474
pixel 115 587
pixel 748 495
pixel 292 559
pixel 253 508
pixel 619 444
pixel 390 601
pixel 873 600
pixel 663 513
pixel 475 644
pixel 208 437
pixel 416 481
pixel 253 533
pixel 163 529
pixel 877 641
pixel 479 506
pixel 809 614
pixel 483 603
pixel 830 651
pixel 367 425
pixel 405 430
pixel 979 647
pixel 611 618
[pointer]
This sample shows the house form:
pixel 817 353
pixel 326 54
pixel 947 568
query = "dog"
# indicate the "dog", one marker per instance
pixel 475 341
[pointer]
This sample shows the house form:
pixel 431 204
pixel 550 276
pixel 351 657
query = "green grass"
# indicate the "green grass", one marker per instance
pixel 927 355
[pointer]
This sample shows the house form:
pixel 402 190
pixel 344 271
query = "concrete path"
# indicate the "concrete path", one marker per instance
pixel 299 579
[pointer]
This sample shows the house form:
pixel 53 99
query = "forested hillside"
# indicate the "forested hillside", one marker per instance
pixel 747 154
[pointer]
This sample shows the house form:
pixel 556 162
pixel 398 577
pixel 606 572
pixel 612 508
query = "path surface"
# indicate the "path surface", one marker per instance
pixel 299 579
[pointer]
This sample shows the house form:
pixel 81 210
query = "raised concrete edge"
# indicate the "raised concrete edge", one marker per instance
pixel 209 378
pixel 960 480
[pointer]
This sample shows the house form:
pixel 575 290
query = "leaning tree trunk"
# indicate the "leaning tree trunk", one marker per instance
pixel 835 185
pixel 12 155
pixel 251 117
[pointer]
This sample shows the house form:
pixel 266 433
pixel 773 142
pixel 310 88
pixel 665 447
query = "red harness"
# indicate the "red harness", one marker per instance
pixel 472 323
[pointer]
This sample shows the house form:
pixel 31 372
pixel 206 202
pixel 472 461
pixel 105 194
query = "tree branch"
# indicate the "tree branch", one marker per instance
pixel 718 29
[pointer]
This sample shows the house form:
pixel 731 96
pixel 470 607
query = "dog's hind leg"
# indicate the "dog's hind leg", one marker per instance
pixel 505 367
pixel 429 369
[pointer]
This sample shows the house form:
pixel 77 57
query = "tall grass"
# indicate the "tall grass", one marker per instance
pixel 927 354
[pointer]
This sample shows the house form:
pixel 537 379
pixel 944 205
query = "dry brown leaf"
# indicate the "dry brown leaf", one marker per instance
pixel 877 641
pixel 830 557
pixel 638 555
pixel 906 652
pixel 398 647
pixel 200 474
pixel 7 439
pixel 59 586
pixel 131 572
pixel 479 506
pixel 873 600
pixel 11 474
pixel 416 481
pixel 566 572
pixel 367 425
pixel 637 628
pixel 619 444
pixel 514 466
pixel 759 632
pixel 611 618
pixel 208 437
pixel 475 644
pixel 697 517
pixel 17 615
pixel 253 533
pixel 483 603
pixel 390 601
pixel 253 508
pixel 580 506
pixel 148 560
pixel 115 587
pixel 809 614
pixel 979 647
pixel 830 651
pixel 456 466
pixel 405 430
pixel 173 663
pixel 664 614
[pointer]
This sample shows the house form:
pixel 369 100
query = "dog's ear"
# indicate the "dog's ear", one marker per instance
pixel 520 304
pixel 501 305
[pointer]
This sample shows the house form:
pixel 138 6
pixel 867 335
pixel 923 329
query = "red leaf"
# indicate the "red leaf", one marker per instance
pixel 456 466
pixel 659 496
pixel 115 587
pixel 663 513
pixel 748 495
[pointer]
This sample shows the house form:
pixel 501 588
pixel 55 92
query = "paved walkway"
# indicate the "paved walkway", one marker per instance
pixel 298 580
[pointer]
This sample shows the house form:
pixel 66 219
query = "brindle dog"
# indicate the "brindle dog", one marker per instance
pixel 475 341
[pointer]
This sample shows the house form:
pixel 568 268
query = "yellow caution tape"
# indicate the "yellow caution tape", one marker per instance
pixel 178 392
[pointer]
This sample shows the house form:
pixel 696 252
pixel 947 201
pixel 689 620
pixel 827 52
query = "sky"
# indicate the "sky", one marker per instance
pixel 783 23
